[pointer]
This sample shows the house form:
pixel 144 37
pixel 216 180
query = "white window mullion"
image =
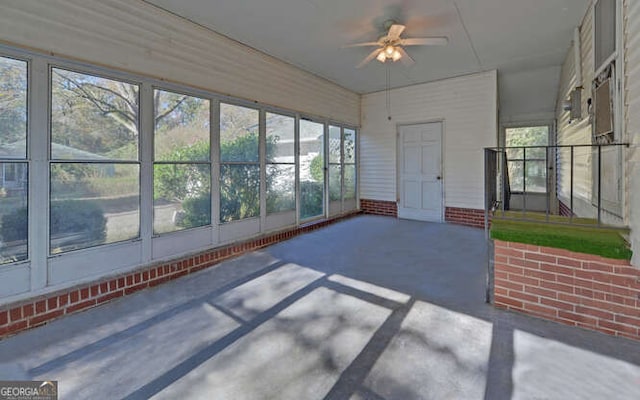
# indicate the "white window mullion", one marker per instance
pixel 215 170
pixel 325 167
pixel 262 143
pixel 146 170
pixel 342 165
pixel 38 139
pixel 296 152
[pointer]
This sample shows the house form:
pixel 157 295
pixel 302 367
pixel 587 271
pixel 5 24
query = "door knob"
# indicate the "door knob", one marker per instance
pixel 438 178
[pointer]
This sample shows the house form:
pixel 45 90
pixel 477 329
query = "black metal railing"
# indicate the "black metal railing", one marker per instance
pixel 501 195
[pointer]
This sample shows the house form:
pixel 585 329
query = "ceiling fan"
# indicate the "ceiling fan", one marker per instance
pixel 391 46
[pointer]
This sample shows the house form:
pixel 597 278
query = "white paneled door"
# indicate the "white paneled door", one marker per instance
pixel 420 172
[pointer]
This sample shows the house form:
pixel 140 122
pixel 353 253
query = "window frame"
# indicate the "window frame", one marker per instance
pixel 257 163
pixel 51 160
pixel 26 159
pixel 325 182
pixel 548 160
pixel 43 272
pixel 340 164
pixel 354 163
pixel 208 162
pixel 294 163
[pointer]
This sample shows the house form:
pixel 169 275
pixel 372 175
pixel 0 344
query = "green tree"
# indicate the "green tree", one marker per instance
pixel 176 182
pixel 13 101
pixel 536 170
pixel 239 183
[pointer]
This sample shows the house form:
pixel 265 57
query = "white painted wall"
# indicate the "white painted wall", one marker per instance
pixel 134 36
pixel 468 107
pixel 577 131
pixel 528 95
pixel 632 119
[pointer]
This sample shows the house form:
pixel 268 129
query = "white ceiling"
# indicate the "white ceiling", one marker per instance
pixel 512 36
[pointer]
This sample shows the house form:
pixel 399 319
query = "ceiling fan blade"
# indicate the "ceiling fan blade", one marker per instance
pixel 394 31
pixel 370 57
pixel 405 59
pixel 363 44
pixel 428 41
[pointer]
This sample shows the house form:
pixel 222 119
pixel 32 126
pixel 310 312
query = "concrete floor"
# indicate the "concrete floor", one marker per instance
pixel 369 308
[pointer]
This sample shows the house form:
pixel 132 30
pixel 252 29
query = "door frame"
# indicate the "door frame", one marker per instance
pixel 552 162
pixel 442 121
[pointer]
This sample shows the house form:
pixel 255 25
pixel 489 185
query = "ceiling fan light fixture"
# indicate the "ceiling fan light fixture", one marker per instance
pixel 382 57
pixel 389 50
pixel 396 55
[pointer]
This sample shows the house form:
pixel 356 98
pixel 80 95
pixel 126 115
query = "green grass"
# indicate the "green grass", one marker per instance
pixel 606 242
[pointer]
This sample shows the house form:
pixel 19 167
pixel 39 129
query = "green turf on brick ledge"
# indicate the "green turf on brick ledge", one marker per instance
pixel 605 242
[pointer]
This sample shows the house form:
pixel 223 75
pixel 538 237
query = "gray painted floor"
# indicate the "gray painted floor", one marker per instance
pixel 369 308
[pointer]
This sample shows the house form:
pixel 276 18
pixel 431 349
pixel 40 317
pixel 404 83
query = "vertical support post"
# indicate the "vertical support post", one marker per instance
pixel 296 147
pixel 38 173
pixel 571 186
pixel 524 182
pixel 147 133
pixel 546 181
pixel 262 150
pixel 599 185
pixel 503 173
pixel 487 199
pixel 214 154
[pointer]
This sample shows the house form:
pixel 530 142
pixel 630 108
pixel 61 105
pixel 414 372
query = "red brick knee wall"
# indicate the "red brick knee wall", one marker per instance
pixel 379 207
pixel 464 216
pixel 572 288
pixel 38 311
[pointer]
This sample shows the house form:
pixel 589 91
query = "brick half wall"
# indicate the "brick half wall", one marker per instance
pixel 464 216
pixel 379 207
pixel 576 289
pixel 27 314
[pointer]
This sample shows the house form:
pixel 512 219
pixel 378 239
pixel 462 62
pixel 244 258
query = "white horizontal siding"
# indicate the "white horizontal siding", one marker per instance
pixel 468 107
pixel 580 133
pixel 576 132
pixel 587 56
pixel 134 36
pixel 567 83
pixel 632 119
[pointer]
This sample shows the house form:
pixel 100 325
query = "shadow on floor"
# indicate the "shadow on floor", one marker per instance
pixel 369 308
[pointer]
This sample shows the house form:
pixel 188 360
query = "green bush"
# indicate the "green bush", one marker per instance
pixel 279 201
pixel 79 217
pixel 68 217
pixel 316 168
pixel 311 199
pixel 239 183
pixel 179 181
pixel 14 226
pixel 239 192
pixel 197 211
